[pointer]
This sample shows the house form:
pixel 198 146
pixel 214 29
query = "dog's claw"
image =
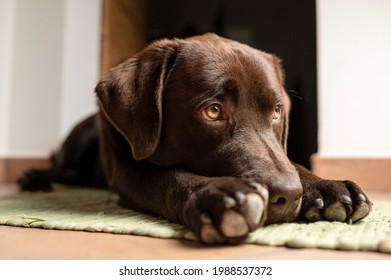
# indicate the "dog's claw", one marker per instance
pixel 240 197
pixel 346 199
pixel 361 198
pixel 256 186
pixel 206 219
pixel 319 203
pixel 229 202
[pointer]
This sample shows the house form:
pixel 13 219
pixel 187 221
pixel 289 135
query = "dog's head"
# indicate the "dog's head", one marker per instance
pixel 208 105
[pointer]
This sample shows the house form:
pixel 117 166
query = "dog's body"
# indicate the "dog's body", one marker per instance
pixel 195 131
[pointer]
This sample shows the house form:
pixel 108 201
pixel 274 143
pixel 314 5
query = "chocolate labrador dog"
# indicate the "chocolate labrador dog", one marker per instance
pixel 195 131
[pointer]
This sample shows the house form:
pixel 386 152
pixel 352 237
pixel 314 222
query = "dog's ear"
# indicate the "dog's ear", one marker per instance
pixel 287 103
pixel 130 95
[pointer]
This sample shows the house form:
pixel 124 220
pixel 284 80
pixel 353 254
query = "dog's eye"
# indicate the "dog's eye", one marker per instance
pixel 277 113
pixel 212 112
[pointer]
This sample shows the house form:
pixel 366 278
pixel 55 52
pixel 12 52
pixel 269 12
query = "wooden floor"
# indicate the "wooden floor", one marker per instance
pixel 26 243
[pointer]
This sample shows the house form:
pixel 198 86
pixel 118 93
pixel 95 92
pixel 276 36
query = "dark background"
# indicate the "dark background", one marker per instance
pixel 282 27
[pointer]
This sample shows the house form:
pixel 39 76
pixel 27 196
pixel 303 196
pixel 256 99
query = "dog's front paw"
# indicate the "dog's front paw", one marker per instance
pixel 226 210
pixel 333 200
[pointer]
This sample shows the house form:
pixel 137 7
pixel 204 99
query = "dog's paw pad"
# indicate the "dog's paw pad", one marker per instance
pixel 336 212
pixel 361 212
pixel 313 214
pixel 226 210
pixel 254 208
pixel 261 189
pixel 233 224
pixel 209 235
pixel 238 224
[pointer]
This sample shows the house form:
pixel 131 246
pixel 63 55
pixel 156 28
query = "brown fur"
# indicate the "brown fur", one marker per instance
pixel 162 157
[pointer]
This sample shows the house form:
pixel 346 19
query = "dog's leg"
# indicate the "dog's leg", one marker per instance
pixel 332 200
pixel 75 163
pixel 217 210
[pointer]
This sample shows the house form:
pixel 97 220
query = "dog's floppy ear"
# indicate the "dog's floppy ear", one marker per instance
pixel 287 103
pixel 130 95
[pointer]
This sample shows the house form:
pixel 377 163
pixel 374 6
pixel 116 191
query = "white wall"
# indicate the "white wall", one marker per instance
pixel 50 62
pixel 81 57
pixel 7 11
pixel 354 78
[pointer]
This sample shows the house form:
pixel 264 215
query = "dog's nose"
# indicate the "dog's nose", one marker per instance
pixel 284 199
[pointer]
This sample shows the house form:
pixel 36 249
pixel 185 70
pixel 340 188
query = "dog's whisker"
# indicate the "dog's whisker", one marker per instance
pixel 293 93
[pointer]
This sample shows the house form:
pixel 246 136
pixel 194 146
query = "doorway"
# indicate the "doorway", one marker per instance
pixel 284 28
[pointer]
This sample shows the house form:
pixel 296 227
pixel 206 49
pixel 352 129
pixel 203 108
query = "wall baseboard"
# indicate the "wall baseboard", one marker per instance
pixel 12 168
pixel 371 174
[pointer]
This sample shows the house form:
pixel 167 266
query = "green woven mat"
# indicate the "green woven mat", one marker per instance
pixel 96 210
